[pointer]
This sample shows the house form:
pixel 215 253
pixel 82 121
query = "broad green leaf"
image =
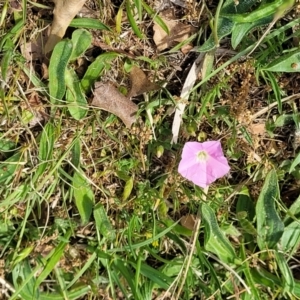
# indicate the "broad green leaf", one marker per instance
pixel 269 225
pixel 84 196
pixel 22 255
pixel 241 29
pixel 127 189
pixel 103 223
pixel 289 62
pixel 231 6
pixel 95 69
pixel 225 24
pixel 7 145
pixel 57 67
pixel 264 10
pixel 46 149
pixel 284 119
pixel 81 39
pixel 9 167
pixel 89 24
pixel 215 240
pixel 77 104
pixel 7 41
pixel 225 27
pixel 245 203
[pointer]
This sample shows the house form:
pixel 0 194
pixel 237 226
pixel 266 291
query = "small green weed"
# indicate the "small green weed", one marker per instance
pixel 92 209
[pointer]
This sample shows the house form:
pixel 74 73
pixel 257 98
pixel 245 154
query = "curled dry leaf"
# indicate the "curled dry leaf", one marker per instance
pixel 140 83
pixel 108 98
pixel 179 32
pixel 64 12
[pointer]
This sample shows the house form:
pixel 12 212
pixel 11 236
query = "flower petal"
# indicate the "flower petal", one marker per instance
pixel 191 149
pixel 217 167
pixel 196 174
pixel 203 173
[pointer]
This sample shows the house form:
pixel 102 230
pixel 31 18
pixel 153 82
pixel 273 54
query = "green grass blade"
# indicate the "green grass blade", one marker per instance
pixel 53 260
pixel 132 21
pixel 156 276
pixel 247 273
pixel 126 272
pixel 47 141
pixel 290 240
pixel 287 275
pixel 157 19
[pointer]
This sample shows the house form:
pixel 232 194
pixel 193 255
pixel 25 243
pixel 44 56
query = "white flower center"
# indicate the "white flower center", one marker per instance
pixel 202 156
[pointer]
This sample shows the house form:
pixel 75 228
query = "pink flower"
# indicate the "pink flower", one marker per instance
pixel 203 163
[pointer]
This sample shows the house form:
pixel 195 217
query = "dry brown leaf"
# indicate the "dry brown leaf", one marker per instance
pixel 108 98
pixel 34 107
pixel 33 50
pixel 179 32
pixel 140 83
pixel 64 12
pixel 188 221
pixel 257 128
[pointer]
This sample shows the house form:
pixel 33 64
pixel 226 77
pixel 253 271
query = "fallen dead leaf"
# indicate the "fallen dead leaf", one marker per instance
pixel 108 98
pixel 179 32
pixel 33 50
pixel 64 12
pixel 140 83
pixel 35 107
pixel 257 128
pixel 188 221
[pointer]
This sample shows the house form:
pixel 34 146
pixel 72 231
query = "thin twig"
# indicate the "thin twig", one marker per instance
pixel 6 285
pixel 266 109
